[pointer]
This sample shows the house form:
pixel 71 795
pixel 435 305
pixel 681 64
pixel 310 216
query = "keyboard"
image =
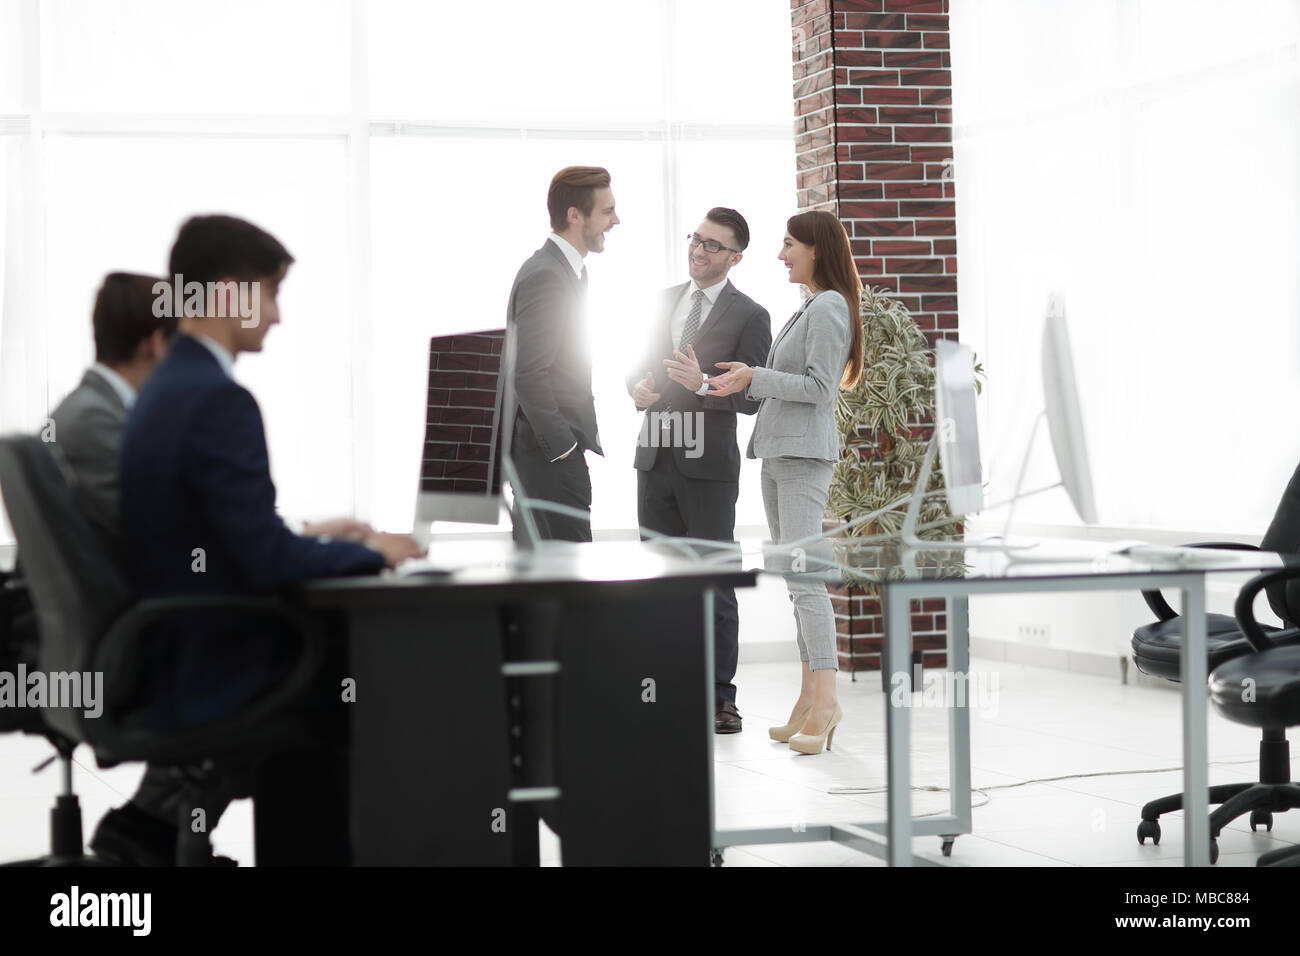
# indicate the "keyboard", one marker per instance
pixel 1171 554
pixel 425 567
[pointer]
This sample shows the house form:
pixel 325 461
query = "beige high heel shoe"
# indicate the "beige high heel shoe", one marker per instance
pixel 783 734
pixel 813 743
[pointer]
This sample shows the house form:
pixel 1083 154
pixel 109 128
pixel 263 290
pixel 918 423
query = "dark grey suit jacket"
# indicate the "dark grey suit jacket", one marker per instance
pixel 554 406
pixel 737 329
pixel 88 427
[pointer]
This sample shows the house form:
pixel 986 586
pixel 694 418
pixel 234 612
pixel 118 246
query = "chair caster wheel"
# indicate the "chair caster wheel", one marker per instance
pixel 715 858
pixel 1214 851
pixel 1261 817
pixel 946 849
pixel 1149 828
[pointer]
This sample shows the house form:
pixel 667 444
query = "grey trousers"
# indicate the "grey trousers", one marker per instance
pixel 794 496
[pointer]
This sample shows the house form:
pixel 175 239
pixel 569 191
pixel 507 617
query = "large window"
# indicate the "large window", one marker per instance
pixel 1141 156
pixel 401 150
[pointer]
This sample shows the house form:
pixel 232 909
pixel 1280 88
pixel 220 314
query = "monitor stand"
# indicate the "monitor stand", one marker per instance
pixel 910 539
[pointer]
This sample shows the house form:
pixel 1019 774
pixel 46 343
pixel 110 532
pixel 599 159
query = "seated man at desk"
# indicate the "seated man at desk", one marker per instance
pixel 129 342
pixel 199 515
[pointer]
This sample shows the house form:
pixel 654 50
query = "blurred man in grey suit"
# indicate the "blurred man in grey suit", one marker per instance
pixel 129 341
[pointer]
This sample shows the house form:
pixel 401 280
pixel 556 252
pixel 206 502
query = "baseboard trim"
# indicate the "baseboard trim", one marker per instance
pixel 995 649
pixel 1061 659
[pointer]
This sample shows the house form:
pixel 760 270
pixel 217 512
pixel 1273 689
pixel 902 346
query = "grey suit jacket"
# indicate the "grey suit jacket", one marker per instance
pixel 554 406
pixel 88 428
pixel 800 382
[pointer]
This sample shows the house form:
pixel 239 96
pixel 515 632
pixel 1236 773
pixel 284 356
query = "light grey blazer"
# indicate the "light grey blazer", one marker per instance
pixel 88 428
pixel 799 384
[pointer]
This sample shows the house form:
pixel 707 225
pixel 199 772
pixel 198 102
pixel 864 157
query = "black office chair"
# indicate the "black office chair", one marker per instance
pixel 1157 651
pixel 18 648
pixel 1261 689
pixel 87 621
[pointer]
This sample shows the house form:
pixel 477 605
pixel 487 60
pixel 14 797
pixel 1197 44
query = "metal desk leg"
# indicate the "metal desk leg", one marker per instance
pixel 898 701
pixel 958 609
pixel 715 853
pixel 1196 810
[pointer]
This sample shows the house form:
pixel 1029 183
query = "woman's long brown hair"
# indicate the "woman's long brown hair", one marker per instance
pixel 833 268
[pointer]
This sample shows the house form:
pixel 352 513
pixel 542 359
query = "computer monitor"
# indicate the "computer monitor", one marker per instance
pixel 957 433
pixel 956 436
pixel 957 427
pixel 465 443
pixel 1064 416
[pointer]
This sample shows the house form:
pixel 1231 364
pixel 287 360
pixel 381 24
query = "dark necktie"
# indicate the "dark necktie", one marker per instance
pixel 692 328
pixel 689 332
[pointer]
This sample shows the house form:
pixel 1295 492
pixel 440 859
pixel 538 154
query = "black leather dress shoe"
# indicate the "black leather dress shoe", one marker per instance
pixel 128 836
pixel 726 719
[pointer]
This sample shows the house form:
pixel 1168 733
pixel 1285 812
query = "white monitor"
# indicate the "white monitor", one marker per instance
pixel 1064 417
pixel 957 427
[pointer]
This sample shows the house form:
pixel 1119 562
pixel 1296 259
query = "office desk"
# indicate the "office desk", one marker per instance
pixel 435 777
pixel 903 578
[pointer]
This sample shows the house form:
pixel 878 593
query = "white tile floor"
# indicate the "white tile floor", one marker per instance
pixel 1042 723
pixel 1039 724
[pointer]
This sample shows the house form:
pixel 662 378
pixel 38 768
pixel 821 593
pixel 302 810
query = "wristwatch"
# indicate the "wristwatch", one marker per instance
pixel 703 390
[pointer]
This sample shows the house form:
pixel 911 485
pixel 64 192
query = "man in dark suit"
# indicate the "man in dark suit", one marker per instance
pixel 555 413
pixel 687 459
pixel 198 511
pixel 554 425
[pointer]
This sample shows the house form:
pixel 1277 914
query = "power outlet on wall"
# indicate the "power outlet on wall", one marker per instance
pixel 1034 633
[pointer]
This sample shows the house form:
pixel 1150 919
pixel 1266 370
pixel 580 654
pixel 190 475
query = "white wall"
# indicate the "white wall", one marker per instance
pixel 1141 156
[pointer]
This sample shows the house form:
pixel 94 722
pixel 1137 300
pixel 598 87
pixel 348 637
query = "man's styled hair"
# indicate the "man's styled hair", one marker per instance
pixel 212 248
pixel 124 316
pixel 733 221
pixel 574 186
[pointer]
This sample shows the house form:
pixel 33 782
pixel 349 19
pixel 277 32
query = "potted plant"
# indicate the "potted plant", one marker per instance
pixel 886 422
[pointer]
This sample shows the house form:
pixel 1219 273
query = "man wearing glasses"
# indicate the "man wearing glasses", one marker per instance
pixel 687 459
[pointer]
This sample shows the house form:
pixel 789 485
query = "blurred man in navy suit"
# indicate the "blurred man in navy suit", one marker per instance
pixel 198 503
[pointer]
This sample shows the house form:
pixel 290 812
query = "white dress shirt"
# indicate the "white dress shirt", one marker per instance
pixel 574 259
pixel 120 385
pixel 571 254
pixel 683 309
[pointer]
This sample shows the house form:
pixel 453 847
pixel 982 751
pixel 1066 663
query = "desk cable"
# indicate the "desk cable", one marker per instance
pixel 985 791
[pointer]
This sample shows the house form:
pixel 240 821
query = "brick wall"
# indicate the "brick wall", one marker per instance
pixel 873 144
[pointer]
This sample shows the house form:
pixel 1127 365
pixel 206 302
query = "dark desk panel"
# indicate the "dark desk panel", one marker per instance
pixel 432 726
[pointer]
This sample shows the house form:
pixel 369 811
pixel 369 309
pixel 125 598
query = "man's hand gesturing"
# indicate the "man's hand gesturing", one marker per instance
pixel 644 394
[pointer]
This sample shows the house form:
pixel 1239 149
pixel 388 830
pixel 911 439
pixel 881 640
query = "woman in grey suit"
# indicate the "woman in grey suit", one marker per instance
pixel 817 353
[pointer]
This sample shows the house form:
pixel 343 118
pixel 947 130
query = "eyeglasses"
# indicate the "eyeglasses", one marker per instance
pixel 710 245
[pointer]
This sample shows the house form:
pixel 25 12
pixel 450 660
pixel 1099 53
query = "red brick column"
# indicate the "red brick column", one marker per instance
pixel 873 144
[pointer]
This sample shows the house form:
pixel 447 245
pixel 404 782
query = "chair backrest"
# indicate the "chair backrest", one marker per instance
pixel 76 585
pixel 1283 536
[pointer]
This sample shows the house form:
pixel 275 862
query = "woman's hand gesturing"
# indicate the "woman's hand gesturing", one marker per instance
pixel 738 376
